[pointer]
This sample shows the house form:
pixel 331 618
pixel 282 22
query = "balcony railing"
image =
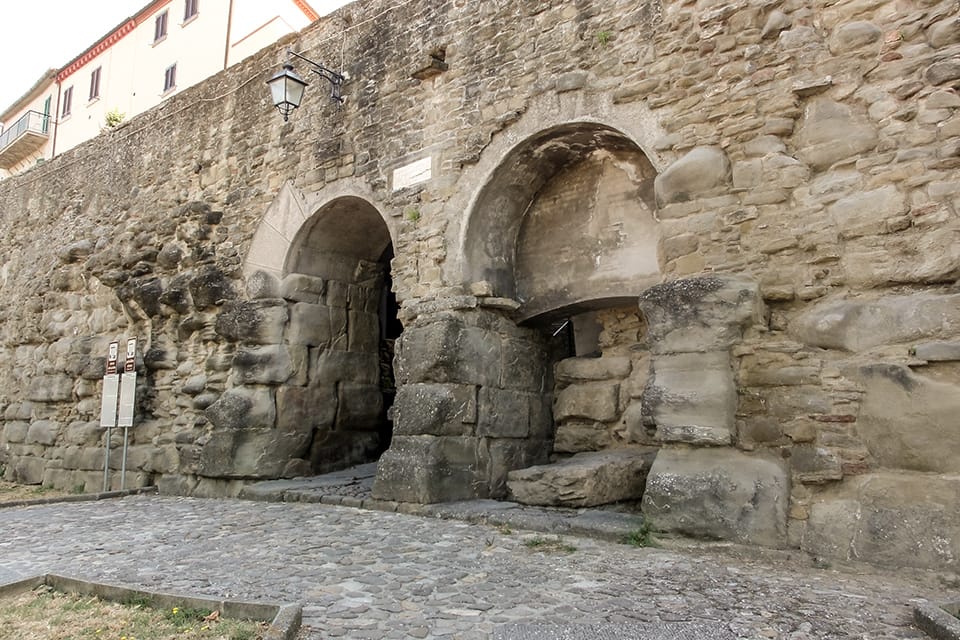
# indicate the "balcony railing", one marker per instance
pixel 23 138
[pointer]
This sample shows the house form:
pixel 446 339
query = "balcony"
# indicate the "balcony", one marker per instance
pixel 23 138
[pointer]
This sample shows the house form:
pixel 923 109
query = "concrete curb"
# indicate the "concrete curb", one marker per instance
pixel 284 619
pixel 939 622
pixel 85 497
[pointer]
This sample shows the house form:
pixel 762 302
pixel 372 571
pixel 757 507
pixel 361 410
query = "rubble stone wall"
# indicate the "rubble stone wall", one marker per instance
pixel 804 151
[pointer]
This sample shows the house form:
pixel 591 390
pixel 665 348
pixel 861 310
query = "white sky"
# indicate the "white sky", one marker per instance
pixel 46 34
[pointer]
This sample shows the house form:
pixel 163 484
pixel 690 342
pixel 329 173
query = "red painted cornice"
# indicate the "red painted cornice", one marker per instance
pixel 307 10
pixel 113 37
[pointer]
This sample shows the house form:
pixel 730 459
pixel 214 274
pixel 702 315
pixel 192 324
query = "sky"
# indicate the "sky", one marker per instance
pixel 46 34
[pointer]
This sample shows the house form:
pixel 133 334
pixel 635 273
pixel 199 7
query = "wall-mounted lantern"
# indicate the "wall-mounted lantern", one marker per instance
pixel 287 87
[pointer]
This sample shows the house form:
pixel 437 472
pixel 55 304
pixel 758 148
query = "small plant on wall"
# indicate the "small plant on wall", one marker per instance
pixel 114 117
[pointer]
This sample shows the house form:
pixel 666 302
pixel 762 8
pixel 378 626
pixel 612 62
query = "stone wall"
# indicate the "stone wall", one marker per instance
pixel 774 184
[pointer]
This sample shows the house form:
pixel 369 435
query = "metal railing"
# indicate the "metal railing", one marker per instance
pixel 31 121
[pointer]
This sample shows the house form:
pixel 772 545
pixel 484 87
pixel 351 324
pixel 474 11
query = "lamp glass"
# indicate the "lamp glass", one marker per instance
pixel 286 89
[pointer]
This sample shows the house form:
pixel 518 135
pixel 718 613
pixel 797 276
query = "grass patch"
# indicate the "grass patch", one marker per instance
pixel 547 545
pixel 10 492
pixel 45 614
pixel 640 537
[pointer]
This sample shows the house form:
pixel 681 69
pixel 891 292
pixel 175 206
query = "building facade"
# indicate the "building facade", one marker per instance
pixel 167 46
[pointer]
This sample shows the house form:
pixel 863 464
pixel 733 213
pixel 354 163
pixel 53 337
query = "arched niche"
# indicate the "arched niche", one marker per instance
pixel 566 221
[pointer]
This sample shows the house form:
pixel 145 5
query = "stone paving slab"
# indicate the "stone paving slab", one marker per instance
pixel 665 631
pixel 373 574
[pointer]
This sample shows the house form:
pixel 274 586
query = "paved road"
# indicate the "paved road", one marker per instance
pixel 369 574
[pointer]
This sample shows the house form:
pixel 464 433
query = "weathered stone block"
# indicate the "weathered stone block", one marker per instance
pixel 26 470
pixel 52 388
pixel 578 436
pixel 360 407
pixel 830 132
pixel 269 364
pixel 447 351
pixel 889 518
pixel 908 421
pixel 867 212
pixel 597 401
pixel 243 408
pixel 718 493
pixel 329 367
pixel 523 365
pixel 584 480
pixel 504 413
pixel 693 398
pixel 210 287
pixel 502 455
pixel 302 411
pixel 815 465
pixel 298 287
pixel 699 314
pixel 855 325
pixel 363 332
pixel 584 369
pixel 854 35
pixel 699 171
pixel 254 322
pixel 262 285
pixel 938 351
pixel 15 432
pixel 43 432
pixel 318 325
pixel 428 469
pixel 435 409
pixel 944 33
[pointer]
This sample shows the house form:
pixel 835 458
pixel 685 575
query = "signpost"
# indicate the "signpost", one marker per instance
pixel 120 388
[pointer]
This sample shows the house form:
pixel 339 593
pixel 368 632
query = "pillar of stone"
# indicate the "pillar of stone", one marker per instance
pixel 472 404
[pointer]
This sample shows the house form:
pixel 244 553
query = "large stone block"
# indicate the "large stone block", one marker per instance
pixel 908 421
pixel 298 287
pixel 328 367
pixel 43 432
pixel 15 431
pixel 363 331
pixel 51 388
pixel 263 285
pixel 504 413
pixel 318 325
pixel 268 364
pixel 888 518
pixel 210 287
pixel 719 493
pixel 584 480
pixel 245 453
pixel 597 401
pixel 435 409
pixel 867 212
pixel 243 408
pixel 578 436
pixel 584 369
pixel 859 325
pixel 359 407
pixel 700 314
pixel 448 351
pixel 501 455
pixel 428 469
pixel 830 132
pixel 254 322
pixel 523 365
pixel 301 411
pixel 692 398
pixel 699 171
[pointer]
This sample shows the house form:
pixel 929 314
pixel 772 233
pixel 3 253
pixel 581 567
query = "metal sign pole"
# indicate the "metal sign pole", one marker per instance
pixel 108 406
pixel 128 392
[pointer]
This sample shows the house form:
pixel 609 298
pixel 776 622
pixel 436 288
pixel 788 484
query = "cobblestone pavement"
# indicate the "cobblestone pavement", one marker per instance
pixel 370 574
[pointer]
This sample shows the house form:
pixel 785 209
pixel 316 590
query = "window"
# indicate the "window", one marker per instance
pixel 67 100
pixel 95 83
pixel 189 9
pixel 160 27
pixel 170 78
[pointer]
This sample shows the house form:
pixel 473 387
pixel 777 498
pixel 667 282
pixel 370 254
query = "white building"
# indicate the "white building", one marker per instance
pixel 167 46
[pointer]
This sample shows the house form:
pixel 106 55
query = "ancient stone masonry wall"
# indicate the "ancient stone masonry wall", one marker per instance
pixel 770 187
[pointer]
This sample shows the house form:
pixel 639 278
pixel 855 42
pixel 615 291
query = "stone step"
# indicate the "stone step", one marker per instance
pixel 585 479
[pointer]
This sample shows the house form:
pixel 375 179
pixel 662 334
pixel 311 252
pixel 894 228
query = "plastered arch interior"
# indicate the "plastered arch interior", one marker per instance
pixel 349 208
pixel 566 221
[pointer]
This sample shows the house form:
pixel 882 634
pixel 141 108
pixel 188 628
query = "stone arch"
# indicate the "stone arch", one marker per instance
pixel 332 253
pixel 291 210
pixel 566 220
